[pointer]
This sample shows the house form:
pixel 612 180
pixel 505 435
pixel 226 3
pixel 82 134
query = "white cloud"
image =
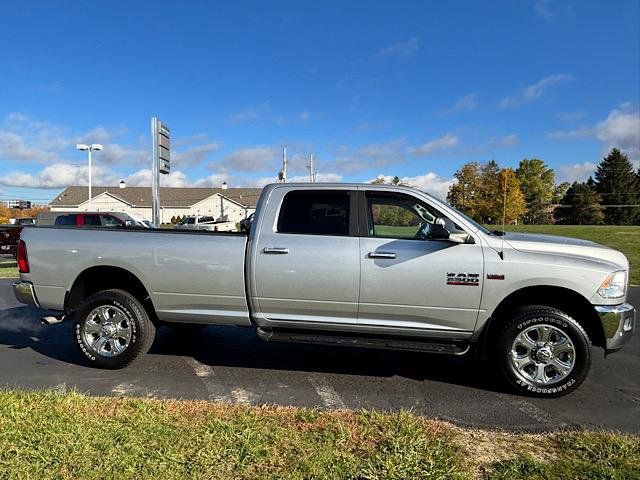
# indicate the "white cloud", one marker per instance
pixel 253 159
pixel 541 7
pixel 532 92
pixel 578 172
pixel 571 134
pixel 435 145
pixel 508 141
pixel 195 155
pixel 405 49
pixel 430 182
pixel 213 181
pixel 142 178
pixel 60 175
pixel 372 155
pixel 621 129
pixel 321 177
pixel 248 115
pixel 467 103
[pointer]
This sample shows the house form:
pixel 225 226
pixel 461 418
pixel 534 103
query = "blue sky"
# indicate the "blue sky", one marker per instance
pixel 413 89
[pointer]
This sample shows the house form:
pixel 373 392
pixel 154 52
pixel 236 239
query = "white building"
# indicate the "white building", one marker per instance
pixel 233 203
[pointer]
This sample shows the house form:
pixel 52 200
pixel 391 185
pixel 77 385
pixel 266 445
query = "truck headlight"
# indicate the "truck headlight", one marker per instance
pixel 614 286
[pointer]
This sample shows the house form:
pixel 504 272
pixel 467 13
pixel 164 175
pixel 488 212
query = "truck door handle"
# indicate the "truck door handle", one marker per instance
pixel 382 255
pixel 275 250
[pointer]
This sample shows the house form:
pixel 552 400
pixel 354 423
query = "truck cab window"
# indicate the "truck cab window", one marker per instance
pixel 398 216
pixel 315 213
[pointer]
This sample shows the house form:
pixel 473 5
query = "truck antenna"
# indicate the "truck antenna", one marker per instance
pixel 504 216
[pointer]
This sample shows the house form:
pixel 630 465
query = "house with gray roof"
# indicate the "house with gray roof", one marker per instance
pixel 234 204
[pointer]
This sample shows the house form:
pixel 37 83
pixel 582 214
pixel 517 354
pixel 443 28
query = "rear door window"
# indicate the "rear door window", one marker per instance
pixel 66 220
pixel 319 212
pixel 91 220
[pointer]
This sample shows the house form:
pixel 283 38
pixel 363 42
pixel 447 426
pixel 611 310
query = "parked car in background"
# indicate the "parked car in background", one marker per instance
pixel 89 219
pixel 23 221
pixel 9 238
pixel 245 224
pixel 10 235
pixel 198 222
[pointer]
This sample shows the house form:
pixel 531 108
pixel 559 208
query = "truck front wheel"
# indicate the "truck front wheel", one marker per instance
pixel 112 329
pixel 543 352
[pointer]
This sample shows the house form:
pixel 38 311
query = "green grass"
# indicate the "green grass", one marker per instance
pixel 66 435
pixel 8 268
pixel 623 238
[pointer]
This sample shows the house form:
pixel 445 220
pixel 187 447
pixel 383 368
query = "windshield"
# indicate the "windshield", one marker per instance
pixel 471 221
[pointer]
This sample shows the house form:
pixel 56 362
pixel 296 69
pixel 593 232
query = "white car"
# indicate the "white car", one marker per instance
pixel 206 223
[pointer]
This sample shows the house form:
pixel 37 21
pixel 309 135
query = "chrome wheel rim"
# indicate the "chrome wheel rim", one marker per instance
pixel 543 355
pixel 107 330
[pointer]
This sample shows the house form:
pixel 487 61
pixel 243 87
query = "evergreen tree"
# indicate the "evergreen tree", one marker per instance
pixel 537 182
pixel 579 206
pixel 617 184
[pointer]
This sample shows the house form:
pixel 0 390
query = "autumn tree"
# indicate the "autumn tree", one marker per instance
pixel 515 201
pixel 579 206
pixel 537 182
pixel 617 184
pixel 465 192
pixel 479 192
pixel 5 214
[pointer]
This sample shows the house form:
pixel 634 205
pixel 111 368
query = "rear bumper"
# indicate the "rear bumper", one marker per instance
pixel 618 324
pixel 25 293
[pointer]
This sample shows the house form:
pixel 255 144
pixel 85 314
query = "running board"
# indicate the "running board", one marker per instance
pixel 388 343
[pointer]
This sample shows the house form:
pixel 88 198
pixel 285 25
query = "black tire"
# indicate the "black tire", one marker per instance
pixel 573 350
pixel 139 329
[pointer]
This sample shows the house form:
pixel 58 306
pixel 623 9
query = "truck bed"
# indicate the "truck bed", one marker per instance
pixel 179 276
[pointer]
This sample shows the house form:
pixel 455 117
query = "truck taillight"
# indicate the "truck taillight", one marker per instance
pixel 23 260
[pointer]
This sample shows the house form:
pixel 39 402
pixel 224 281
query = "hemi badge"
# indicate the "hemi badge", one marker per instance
pixel 495 276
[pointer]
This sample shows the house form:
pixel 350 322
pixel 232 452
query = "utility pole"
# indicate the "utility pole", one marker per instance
pixel 284 164
pixel 312 172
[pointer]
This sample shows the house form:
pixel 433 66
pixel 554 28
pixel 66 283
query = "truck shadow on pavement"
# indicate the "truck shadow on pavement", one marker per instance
pixel 235 347
pixel 240 348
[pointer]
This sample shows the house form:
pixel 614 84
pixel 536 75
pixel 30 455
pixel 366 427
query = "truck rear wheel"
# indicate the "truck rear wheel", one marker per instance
pixel 112 329
pixel 543 352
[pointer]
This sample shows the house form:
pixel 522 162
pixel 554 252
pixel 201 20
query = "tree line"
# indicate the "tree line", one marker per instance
pixel 529 194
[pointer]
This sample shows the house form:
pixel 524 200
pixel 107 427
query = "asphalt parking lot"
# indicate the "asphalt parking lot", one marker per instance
pixel 232 365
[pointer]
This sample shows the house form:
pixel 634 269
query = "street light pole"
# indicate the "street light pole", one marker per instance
pixel 89 149
pixel 90 197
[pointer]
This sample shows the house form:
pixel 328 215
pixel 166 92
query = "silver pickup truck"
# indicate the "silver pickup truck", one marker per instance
pixel 342 264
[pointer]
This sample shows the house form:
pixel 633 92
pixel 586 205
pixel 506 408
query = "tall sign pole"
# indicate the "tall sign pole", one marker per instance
pixel 161 164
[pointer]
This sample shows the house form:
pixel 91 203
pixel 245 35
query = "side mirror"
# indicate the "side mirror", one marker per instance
pixel 438 231
pixel 128 224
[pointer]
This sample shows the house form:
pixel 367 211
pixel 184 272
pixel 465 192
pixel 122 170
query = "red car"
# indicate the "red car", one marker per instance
pixel 9 237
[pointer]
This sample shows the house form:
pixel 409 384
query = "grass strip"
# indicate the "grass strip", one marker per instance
pixel 67 435
pixel 8 268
